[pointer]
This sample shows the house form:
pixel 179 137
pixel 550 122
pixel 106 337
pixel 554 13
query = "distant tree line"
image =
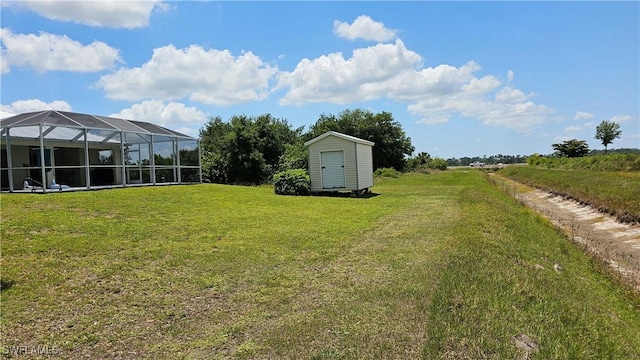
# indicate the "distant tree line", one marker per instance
pixel 489 160
pixel 614 151
pixel 250 150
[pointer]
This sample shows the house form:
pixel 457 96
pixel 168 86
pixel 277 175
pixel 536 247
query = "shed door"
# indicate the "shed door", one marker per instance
pixel 332 163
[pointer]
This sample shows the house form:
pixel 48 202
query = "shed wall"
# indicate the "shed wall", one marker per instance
pixel 365 166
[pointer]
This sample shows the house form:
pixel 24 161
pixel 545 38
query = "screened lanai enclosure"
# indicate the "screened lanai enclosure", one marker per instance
pixel 64 151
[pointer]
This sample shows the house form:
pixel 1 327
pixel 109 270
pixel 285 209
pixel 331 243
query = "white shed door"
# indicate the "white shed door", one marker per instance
pixel 332 163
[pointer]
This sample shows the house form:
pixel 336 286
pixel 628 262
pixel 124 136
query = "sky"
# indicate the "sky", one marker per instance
pixel 462 78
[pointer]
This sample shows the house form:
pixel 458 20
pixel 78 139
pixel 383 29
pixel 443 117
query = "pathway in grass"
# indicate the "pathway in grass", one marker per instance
pixel 370 301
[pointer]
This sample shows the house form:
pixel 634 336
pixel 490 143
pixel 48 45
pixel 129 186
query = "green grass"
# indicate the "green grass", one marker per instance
pixel 614 192
pixel 609 162
pixel 437 266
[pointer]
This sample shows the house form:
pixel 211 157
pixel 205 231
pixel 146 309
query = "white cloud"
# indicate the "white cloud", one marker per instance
pixel 572 128
pixel 562 138
pixel 368 74
pixel 173 115
pixel 433 120
pixel 519 116
pixel 508 95
pixel 49 52
pixel 205 76
pixel 23 106
pixel 363 27
pixel 510 75
pixel 582 115
pixel 435 94
pixel 620 118
pixel 104 13
pixel 4 114
pixel 459 92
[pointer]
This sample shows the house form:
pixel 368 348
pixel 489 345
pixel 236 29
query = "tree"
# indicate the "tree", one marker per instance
pixel 214 144
pixel 418 162
pixel 438 164
pixel 245 150
pixel 571 148
pixel 607 131
pixel 391 142
pixel 296 156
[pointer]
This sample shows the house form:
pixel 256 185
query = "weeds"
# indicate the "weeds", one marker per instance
pixel 611 162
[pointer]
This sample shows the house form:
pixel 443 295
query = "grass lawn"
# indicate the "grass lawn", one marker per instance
pixel 436 266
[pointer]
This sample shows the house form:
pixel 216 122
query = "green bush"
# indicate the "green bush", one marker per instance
pixel 387 172
pixel 295 157
pixel 438 164
pixel 535 159
pixel 292 182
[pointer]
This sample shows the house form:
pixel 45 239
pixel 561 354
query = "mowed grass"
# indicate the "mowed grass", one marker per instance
pixel 436 266
pixel 615 192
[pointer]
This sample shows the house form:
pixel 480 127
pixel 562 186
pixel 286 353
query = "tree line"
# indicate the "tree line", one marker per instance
pixel 489 160
pixel 250 150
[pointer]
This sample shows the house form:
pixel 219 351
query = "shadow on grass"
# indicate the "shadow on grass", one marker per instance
pixel 6 284
pixel 343 194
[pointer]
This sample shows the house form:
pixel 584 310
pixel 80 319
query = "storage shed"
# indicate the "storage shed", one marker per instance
pixel 339 162
pixel 57 150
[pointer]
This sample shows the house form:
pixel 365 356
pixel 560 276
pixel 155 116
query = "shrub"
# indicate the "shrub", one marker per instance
pixel 292 182
pixel 438 164
pixel 535 159
pixel 295 157
pixel 610 162
pixel 387 172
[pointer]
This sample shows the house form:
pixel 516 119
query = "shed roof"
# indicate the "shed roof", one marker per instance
pixel 26 124
pixel 340 135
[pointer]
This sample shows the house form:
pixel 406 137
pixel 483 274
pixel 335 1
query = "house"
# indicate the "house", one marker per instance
pixel 69 151
pixel 339 162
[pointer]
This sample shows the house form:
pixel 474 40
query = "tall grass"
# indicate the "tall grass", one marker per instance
pixel 436 266
pixel 610 162
pixel 501 281
pixel 614 192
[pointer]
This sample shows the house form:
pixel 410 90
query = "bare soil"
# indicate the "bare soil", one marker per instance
pixel 615 243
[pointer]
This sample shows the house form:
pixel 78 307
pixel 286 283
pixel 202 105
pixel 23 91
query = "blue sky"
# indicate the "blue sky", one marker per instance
pixel 463 78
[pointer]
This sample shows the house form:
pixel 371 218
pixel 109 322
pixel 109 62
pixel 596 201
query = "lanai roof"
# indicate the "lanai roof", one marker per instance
pixel 63 125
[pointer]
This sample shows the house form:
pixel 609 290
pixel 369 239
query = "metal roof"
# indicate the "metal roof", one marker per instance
pixel 340 135
pixel 63 125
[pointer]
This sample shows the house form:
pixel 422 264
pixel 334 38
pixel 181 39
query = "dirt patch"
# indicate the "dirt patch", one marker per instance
pixel 615 243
